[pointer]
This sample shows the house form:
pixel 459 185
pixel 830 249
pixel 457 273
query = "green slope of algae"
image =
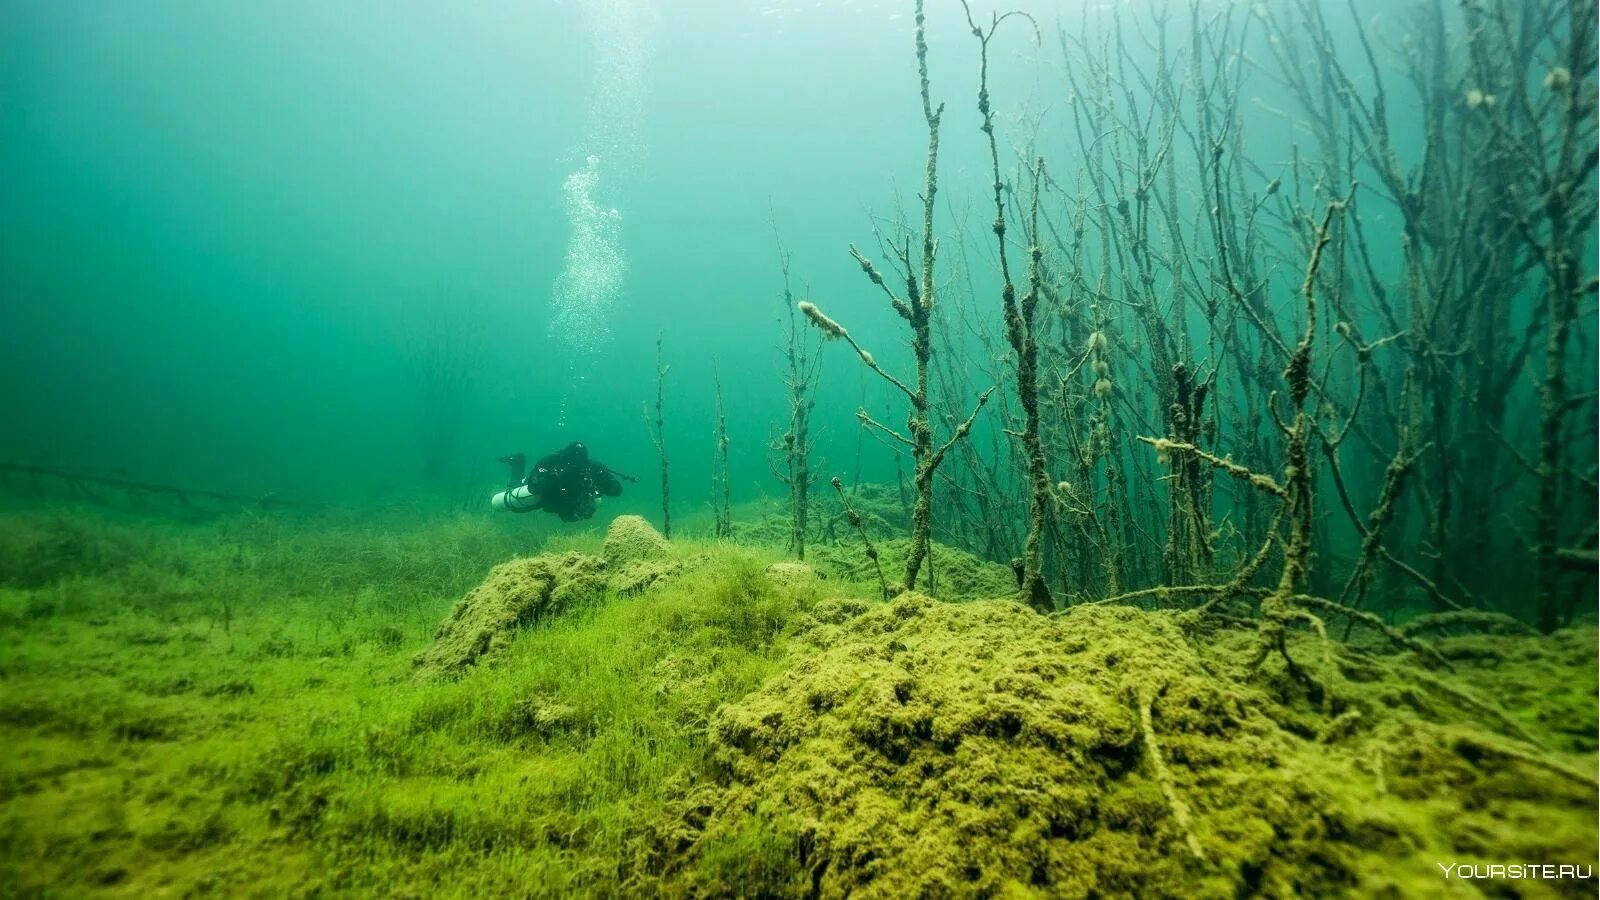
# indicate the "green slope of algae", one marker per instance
pixel 710 725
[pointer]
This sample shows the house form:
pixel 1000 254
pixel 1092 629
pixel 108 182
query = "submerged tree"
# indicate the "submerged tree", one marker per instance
pixel 1496 202
pixel 721 482
pixel 1384 318
pixel 1020 323
pixel 916 309
pixel 792 451
pixel 658 437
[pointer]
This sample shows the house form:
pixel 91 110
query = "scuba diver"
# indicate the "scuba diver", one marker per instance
pixel 566 482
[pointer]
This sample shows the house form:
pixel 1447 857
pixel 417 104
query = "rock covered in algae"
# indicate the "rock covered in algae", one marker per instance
pixel 791 573
pixel 515 594
pixel 521 592
pixel 1552 680
pixel 957 575
pixel 631 539
pixel 929 749
pixel 884 514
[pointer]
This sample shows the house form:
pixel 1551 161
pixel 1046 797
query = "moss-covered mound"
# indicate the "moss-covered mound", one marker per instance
pixel 928 749
pixel 791 573
pixel 1552 681
pixel 515 594
pixel 630 540
pixel 766 530
pixel 520 593
pixel 957 575
pixel 884 514
pixel 727 731
pixel 637 556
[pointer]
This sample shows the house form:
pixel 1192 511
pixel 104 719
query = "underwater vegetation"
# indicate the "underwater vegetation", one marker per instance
pixel 1240 542
pixel 1220 381
pixel 628 716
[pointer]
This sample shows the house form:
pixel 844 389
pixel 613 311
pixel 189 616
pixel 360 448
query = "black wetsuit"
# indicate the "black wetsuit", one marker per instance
pixel 568 483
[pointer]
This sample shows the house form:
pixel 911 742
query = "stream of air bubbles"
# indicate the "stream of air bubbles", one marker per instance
pixel 596 268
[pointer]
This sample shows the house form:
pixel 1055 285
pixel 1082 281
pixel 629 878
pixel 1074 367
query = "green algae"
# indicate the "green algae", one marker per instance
pixel 631 540
pixel 957 575
pixel 928 749
pixel 884 514
pixel 523 592
pixel 745 726
pixel 836 552
pixel 152 750
pixel 516 594
pixel 791 573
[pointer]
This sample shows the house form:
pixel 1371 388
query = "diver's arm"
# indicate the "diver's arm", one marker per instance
pixel 615 474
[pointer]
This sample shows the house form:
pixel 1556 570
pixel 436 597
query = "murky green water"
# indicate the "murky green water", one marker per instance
pixel 1273 387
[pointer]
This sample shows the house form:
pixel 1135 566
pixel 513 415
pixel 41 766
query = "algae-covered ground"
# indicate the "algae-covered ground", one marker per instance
pixel 271 706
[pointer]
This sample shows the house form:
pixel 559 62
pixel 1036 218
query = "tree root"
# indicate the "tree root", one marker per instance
pixel 1163 776
pixel 1340 727
pixel 1327 657
pixel 1480 706
pixel 1470 618
pixel 1518 754
pixel 1398 638
pixel 1377 768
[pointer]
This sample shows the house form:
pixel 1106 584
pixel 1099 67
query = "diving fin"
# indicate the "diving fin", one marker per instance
pixel 519 465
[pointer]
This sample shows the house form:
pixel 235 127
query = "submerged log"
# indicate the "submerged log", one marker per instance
pixel 80 484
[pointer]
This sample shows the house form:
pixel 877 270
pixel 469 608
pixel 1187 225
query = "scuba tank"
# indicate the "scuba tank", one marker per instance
pixel 517 497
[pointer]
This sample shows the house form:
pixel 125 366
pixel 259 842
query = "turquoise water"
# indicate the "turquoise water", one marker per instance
pixel 239 246
pixel 1195 496
pixel 220 221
